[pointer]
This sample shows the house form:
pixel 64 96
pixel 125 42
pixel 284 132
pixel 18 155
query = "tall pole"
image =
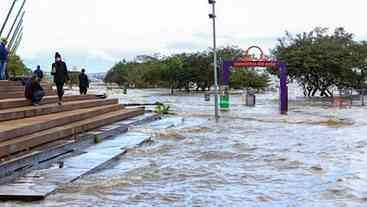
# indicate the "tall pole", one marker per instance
pixel 16 19
pixel 20 35
pixel 216 90
pixel 18 43
pixel 15 34
pixel 7 17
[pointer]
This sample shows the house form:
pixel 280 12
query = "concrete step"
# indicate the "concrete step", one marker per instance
pixel 15 128
pixel 21 102
pixel 27 142
pixel 31 111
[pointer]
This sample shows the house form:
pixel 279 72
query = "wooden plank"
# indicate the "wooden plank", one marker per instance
pixel 26 193
pixel 21 94
pixel 12 88
pixel 21 127
pixel 30 141
pixel 31 111
pixel 4 83
pixel 20 102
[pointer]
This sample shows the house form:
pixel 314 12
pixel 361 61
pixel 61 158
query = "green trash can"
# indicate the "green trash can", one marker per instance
pixel 224 100
pixel 125 89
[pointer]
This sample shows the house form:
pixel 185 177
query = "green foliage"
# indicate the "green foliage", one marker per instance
pixel 181 71
pixel 74 77
pixel 249 79
pixel 162 109
pixel 322 62
pixel 16 67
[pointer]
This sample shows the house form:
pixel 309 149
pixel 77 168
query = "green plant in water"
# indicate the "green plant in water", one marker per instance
pixel 97 139
pixel 162 109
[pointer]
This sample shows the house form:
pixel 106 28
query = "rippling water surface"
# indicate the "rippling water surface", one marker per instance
pixel 315 156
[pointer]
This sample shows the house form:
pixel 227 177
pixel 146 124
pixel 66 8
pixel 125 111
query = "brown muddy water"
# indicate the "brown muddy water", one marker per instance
pixel 315 156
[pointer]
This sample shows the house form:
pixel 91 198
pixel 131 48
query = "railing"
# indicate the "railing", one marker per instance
pixel 346 97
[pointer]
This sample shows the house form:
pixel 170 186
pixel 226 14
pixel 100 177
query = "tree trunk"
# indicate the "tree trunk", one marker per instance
pixel 314 92
pixel 330 93
pixel 324 93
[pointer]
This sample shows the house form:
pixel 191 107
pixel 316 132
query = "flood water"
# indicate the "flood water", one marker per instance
pixel 315 156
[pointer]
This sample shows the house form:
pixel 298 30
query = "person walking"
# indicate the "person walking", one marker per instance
pixel 39 73
pixel 3 58
pixel 83 83
pixel 61 76
pixel 34 91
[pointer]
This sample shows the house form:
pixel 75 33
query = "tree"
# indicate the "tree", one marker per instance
pixel 249 79
pixel 172 69
pixel 321 62
pixel 74 78
pixel 16 67
pixel 179 71
pixel 117 74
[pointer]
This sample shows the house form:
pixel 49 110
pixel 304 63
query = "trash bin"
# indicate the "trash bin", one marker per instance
pixel 207 97
pixel 125 90
pixel 250 99
pixel 224 100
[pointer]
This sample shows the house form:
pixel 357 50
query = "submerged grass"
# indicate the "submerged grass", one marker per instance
pixel 336 123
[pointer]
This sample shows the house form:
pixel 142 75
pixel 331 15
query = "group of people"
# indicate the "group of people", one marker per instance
pixel 34 91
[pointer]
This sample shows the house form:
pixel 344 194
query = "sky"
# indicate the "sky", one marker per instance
pixel 98 33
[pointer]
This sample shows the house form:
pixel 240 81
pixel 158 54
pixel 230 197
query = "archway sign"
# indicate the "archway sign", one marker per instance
pixel 263 61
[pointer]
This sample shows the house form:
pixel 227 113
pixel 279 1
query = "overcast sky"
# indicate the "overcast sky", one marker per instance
pixel 98 33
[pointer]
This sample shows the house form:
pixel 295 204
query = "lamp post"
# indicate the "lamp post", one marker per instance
pixel 213 16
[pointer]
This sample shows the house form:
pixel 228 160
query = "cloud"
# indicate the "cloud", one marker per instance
pixel 93 54
pixel 111 29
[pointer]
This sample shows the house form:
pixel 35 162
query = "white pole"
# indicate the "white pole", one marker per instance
pixel 16 19
pixel 7 17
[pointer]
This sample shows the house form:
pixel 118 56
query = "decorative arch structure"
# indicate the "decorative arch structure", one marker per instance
pixel 263 61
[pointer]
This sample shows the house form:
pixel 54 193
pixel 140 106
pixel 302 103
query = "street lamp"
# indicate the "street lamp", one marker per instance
pixel 213 16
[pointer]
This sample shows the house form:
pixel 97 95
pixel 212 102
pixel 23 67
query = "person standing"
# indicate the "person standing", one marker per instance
pixel 61 76
pixel 83 83
pixel 34 91
pixel 3 58
pixel 39 73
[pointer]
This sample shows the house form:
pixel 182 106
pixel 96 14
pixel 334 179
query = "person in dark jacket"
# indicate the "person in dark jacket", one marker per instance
pixel 3 58
pixel 34 91
pixel 83 83
pixel 61 76
pixel 39 73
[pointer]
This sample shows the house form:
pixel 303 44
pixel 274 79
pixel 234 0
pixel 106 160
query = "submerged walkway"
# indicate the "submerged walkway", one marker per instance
pixel 26 131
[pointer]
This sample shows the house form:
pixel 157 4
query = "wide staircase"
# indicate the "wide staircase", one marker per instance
pixel 15 89
pixel 24 127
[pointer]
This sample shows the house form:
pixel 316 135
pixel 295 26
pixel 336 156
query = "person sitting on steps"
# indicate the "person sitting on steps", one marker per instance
pixel 34 91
